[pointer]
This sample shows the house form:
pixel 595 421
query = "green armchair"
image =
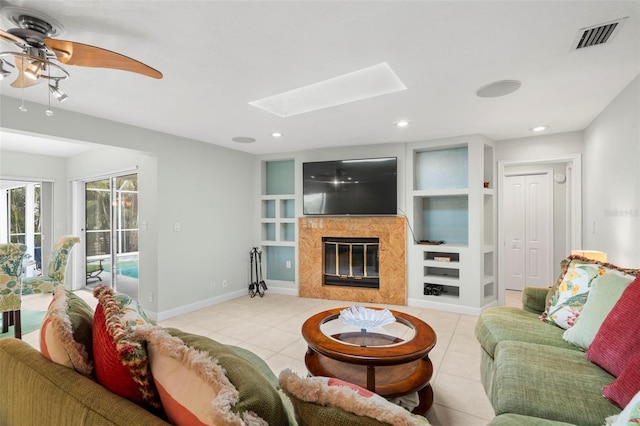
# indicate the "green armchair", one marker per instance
pixel 11 256
pixel 56 269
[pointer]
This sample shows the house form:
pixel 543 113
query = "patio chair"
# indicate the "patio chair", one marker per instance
pixel 94 269
pixel 11 256
pixel 55 270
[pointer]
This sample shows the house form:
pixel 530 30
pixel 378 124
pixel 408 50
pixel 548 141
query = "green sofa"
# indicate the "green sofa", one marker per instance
pixel 112 366
pixel 36 391
pixel 534 377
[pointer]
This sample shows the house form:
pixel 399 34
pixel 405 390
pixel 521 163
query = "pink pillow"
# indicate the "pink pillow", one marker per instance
pixel 336 393
pixel 618 339
pixel 66 332
pixel 622 390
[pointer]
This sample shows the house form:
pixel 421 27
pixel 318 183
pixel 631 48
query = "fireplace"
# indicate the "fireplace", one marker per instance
pixel 351 262
pixel 391 257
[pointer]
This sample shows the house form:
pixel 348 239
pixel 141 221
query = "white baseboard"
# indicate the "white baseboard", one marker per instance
pixel 288 291
pixel 185 309
pixel 447 307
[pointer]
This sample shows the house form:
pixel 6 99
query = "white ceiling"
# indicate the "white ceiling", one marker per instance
pixel 217 56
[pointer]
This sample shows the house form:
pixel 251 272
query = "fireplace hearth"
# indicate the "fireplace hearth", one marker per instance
pixel 351 262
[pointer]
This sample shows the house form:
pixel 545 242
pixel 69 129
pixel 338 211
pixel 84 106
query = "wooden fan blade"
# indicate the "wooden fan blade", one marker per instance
pixel 84 55
pixel 22 80
pixel 11 38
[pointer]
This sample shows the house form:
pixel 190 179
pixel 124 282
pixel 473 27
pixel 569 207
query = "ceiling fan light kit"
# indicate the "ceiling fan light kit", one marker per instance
pixel 40 54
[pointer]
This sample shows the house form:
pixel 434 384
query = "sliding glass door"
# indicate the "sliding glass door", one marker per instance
pixel 22 201
pixel 111 233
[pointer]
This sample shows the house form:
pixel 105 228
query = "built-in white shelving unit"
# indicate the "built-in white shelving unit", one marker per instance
pixel 452 201
pixel 278 220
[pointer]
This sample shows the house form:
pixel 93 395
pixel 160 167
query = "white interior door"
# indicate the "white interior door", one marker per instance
pixel 528 227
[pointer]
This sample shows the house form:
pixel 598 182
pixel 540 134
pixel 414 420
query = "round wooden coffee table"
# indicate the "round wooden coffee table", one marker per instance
pixel 392 361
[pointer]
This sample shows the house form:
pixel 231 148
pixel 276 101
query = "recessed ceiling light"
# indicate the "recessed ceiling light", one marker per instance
pixel 539 128
pixel 498 88
pixel 243 139
pixel 276 134
pixel 401 123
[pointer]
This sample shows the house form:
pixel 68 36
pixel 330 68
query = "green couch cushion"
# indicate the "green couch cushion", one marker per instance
pixel 519 420
pixel 248 373
pixel 534 299
pixel 550 383
pixel 310 414
pixel 506 323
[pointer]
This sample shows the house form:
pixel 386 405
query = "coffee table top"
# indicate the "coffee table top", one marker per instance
pixel 406 339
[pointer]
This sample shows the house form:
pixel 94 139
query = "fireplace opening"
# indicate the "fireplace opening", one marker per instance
pixel 351 262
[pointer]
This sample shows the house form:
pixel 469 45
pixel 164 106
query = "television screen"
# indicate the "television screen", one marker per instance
pixel 350 187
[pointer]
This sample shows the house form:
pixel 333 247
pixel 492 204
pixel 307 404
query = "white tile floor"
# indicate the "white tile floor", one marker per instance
pixel 270 327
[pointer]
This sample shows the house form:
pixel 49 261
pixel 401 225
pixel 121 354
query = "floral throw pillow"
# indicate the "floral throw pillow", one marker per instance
pixel 629 416
pixel 570 293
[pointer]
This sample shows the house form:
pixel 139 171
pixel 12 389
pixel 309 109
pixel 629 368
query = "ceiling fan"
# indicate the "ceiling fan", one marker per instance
pixel 41 57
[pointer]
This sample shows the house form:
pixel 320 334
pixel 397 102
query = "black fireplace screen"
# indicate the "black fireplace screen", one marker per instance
pixel 351 262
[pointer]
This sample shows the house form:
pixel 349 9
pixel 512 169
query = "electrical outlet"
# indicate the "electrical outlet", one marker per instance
pixel 151 297
pixel 224 283
pixel 212 285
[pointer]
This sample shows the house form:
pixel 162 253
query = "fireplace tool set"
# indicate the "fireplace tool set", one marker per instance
pixel 257 285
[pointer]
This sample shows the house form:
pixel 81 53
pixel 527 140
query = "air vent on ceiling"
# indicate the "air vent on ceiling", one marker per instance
pixel 598 34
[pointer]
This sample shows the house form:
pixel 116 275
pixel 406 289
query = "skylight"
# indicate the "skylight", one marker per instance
pixel 366 83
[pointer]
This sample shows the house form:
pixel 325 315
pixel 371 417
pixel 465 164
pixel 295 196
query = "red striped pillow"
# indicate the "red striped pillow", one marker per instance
pixel 618 339
pixel 120 361
pixel 622 390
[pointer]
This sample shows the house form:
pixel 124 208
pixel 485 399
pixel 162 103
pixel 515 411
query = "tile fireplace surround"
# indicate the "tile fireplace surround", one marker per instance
pixel 391 230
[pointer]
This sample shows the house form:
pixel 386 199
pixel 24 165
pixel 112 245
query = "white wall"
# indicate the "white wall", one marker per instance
pixel 611 177
pixel 540 147
pixel 208 189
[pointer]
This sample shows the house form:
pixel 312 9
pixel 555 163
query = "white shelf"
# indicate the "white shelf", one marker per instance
pixel 277 220
pixel 441 247
pixel 440 264
pixel 438 279
pixel 440 192
pixel 448 202
pixel 278 197
pixel 278 243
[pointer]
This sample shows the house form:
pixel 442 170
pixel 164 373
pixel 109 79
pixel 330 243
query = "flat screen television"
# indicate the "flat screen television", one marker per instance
pixel 365 186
